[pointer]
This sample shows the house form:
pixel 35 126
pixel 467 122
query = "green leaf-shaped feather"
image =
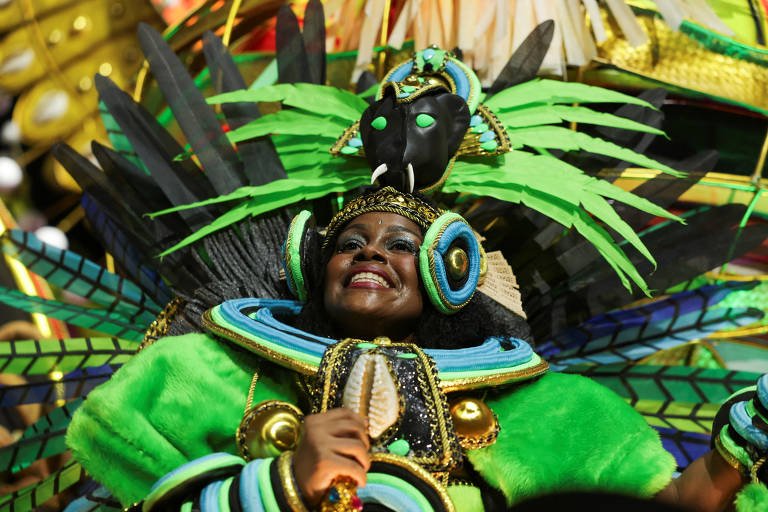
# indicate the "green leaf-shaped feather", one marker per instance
pixel 550 92
pixel 558 137
pixel 553 114
pixel 289 122
pixel 318 99
pixel 531 179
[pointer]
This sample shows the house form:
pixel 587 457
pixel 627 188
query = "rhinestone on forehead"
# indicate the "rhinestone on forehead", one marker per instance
pixel 388 200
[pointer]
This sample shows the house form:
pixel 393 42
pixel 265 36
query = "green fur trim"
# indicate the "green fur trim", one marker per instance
pixel 567 433
pixel 752 498
pixel 151 418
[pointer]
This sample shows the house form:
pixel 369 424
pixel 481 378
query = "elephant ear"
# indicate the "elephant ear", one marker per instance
pixel 454 107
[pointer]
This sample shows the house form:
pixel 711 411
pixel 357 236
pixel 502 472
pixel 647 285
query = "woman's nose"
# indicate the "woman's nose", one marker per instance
pixel 370 251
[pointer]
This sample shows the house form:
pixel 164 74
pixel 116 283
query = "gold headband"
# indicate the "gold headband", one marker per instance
pixel 388 200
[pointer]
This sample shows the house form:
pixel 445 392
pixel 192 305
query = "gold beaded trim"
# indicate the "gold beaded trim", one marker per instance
pixel 344 138
pixel 471 145
pixel 386 200
pixel 730 458
pixel 473 443
pixel 465 384
pixel 159 327
pixel 285 470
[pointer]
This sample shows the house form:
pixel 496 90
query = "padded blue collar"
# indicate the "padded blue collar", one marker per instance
pixel 253 324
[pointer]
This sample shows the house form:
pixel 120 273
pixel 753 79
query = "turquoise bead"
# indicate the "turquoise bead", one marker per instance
pixel 399 447
pixel 355 142
pixel 475 120
pixel 491 145
pixel 489 135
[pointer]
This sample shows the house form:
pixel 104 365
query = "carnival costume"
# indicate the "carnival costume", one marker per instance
pixel 222 340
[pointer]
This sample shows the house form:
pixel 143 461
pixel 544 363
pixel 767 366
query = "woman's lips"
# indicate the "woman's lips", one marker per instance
pixel 369 278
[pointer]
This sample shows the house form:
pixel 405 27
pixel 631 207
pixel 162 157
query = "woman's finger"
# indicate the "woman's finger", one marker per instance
pixel 352 448
pixel 339 465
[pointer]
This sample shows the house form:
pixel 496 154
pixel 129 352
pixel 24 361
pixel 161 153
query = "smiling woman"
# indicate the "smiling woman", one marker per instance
pixel 371 282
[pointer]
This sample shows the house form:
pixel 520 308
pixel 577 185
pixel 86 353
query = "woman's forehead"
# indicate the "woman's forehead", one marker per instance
pixel 383 220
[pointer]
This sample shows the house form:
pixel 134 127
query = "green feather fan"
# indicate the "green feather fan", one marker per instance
pixel 40 357
pixel 35 495
pixel 101 320
pixel 679 397
pixel 530 112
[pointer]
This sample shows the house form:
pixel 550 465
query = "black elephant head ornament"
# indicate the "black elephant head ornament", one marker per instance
pixel 411 135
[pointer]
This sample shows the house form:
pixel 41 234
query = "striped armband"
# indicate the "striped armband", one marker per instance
pixel 176 488
pixel 743 442
pixel 222 482
pixel 268 485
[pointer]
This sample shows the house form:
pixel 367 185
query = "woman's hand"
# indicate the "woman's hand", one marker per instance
pixel 333 443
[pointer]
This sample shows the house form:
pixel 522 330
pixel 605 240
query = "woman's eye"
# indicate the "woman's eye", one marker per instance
pixel 350 244
pixel 404 245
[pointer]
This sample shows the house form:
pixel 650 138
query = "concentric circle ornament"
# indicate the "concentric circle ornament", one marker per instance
pixel 446 293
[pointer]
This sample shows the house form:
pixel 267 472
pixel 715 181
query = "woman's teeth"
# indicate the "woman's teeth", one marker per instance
pixel 369 277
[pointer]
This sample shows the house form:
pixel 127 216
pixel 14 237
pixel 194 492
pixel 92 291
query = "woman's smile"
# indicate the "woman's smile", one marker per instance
pixel 369 277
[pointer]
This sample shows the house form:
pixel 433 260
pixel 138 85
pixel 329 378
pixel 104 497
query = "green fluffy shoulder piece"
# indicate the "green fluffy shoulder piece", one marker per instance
pixel 151 417
pixel 566 433
pixel 753 498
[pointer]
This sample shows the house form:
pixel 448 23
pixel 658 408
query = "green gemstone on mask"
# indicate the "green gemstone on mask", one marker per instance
pixel 408 355
pixel 349 150
pixel 480 128
pixel 365 346
pixel 491 145
pixel 424 120
pixel 379 123
pixel 409 88
pixel 399 447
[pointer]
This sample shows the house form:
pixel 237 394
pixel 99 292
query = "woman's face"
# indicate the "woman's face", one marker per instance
pixel 372 285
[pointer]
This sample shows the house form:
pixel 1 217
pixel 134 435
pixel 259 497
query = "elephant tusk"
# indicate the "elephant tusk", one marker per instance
pixel 410 177
pixel 378 172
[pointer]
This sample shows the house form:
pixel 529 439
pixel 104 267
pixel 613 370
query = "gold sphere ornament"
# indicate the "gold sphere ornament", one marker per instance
pixel 474 422
pixel 269 429
pixel 457 263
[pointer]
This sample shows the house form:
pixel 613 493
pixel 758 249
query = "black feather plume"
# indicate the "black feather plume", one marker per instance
pixel 261 164
pixel 526 61
pixel 196 119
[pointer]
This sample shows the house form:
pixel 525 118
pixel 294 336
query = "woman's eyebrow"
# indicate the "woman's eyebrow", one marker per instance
pixel 359 226
pixel 396 228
